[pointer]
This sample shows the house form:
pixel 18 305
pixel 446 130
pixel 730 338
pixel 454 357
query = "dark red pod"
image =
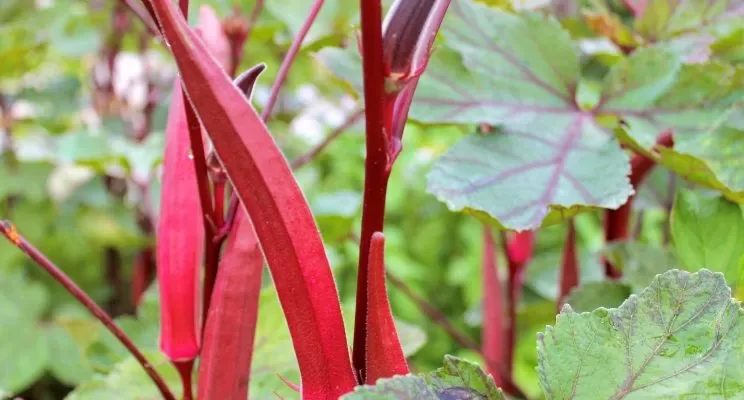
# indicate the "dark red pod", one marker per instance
pixel 384 353
pixel 408 33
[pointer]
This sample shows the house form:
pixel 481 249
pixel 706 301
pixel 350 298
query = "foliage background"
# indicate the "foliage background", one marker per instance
pixel 72 174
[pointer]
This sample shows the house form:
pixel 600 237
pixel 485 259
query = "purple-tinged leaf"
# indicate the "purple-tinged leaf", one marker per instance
pixel 520 72
pixel 281 216
pixel 225 362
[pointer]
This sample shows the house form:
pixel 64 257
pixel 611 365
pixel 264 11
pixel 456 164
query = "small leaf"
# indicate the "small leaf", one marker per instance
pixel 682 336
pixel 708 233
pixel 458 379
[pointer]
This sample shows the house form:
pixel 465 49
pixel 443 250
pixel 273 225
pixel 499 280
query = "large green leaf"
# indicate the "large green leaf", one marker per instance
pixel 458 379
pixel 682 337
pixel 520 72
pixel 554 155
pixel 709 231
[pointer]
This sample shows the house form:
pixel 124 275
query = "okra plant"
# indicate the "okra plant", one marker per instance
pixel 580 157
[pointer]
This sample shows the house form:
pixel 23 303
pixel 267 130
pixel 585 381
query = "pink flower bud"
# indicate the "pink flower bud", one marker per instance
pixel 520 247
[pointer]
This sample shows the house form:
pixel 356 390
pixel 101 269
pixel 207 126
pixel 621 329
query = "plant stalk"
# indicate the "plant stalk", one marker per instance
pixel 617 222
pixel 376 171
pixel 294 49
pixel 9 231
pixel 306 158
pixel 570 265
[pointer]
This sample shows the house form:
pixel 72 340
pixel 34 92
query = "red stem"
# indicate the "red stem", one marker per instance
pixel 185 369
pixel 570 265
pixel 306 158
pixel 617 222
pixel 514 292
pixel 144 273
pixel 493 340
pixel 219 202
pixel 376 171
pixel 9 231
pixel 257 8
pixel 495 343
pixel 294 48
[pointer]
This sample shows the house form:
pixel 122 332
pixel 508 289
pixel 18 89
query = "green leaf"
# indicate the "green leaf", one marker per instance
pixel 711 159
pixel 681 337
pixel 23 349
pixel 689 26
pixel 730 48
pixel 514 68
pixel 657 190
pixel 458 379
pixel 335 213
pixel 593 295
pixel 520 72
pixel 709 232
pixel 67 361
pixel 129 381
pixel 334 18
pixel 28 180
pixel 639 262
pixel 695 102
pixel 525 183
